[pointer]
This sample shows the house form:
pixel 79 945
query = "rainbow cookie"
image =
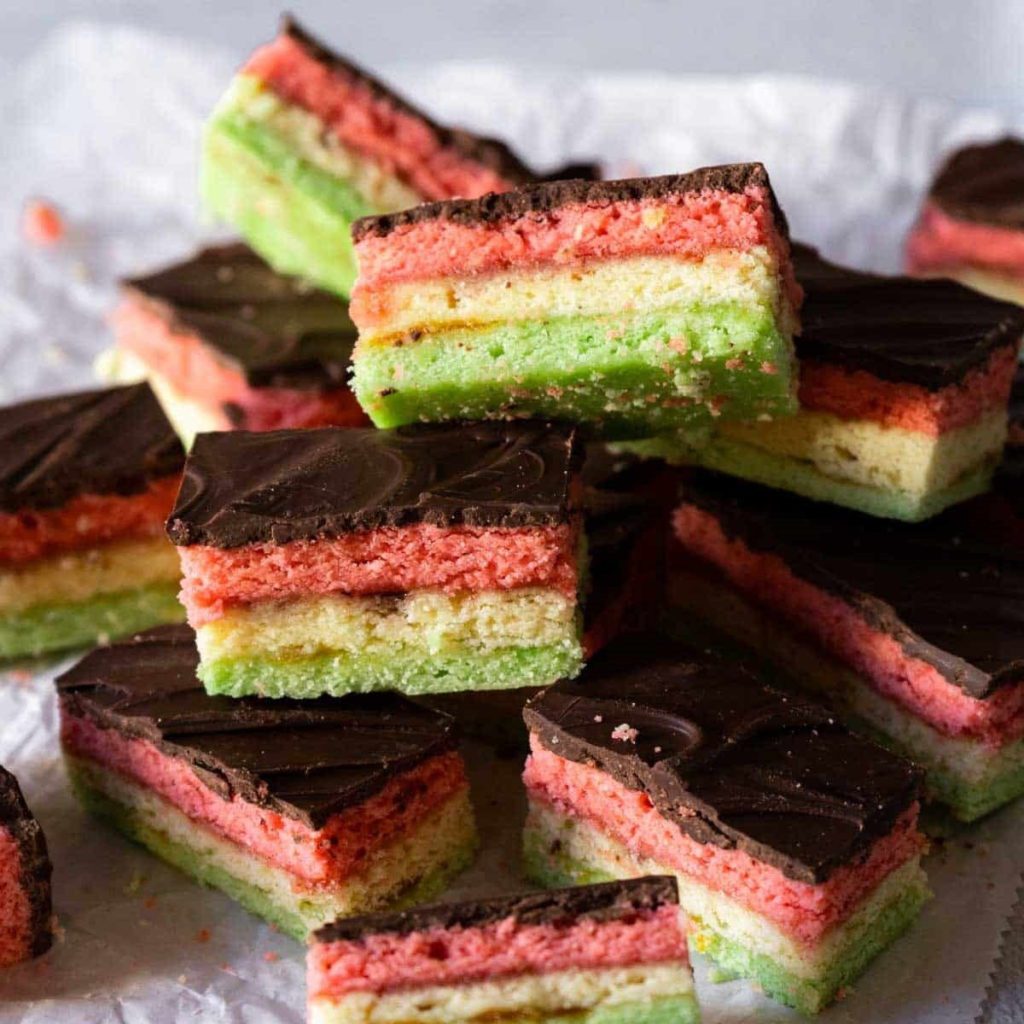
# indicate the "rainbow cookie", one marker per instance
pixel 301 811
pixel 972 225
pixel 26 917
pixel 635 307
pixel 912 632
pixel 305 142
pixel 228 343
pixel 602 954
pixel 86 482
pixel 424 560
pixel 903 394
pixel 794 843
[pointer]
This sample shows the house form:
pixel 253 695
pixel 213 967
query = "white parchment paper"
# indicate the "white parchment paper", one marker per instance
pixel 105 123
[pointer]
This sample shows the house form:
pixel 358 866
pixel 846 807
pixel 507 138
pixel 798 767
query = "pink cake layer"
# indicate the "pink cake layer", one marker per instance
pixel 685 226
pixel 455 956
pixel 85 521
pixel 859 395
pixel 940 243
pixel 802 910
pixel 185 362
pixel 15 908
pixel 368 123
pixel 843 632
pixel 328 855
pixel 391 560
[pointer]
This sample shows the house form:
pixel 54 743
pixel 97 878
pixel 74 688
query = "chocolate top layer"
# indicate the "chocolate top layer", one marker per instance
pixel 113 441
pixel 731 762
pixel 305 759
pixel 490 153
pixel 984 183
pixel 35 868
pixel 276 331
pixel 948 594
pixel 609 901
pixel 288 485
pixel 929 333
pixel 548 196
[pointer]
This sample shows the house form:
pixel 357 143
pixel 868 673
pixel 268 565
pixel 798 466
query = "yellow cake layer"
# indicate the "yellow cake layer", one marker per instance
pixel 79 575
pixel 602 287
pixel 867 453
pixel 249 97
pixel 386 875
pixel 430 619
pixel 710 909
pixel 557 993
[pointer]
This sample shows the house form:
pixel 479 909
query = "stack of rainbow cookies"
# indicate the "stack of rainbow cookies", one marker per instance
pixel 732 534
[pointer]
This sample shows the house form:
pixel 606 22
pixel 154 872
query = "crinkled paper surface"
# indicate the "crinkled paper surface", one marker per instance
pixel 105 123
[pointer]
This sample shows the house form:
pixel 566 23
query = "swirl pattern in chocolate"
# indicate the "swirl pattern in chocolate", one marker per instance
pixel 949 591
pixel 733 763
pixel 282 486
pixel 930 333
pixel 277 331
pixel 36 869
pixel 606 901
pixel 304 759
pixel 111 441
pixel 984 183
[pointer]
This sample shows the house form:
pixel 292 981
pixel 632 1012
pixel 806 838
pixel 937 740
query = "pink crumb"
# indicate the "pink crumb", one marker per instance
pixel 856 394
pixel 318 856
pixel 390 560
pixel 801 909
pixel 841 630
pixel 625 733
pixel 41 223
pixel 370 124
pixel 942 244
pixel 15 909
pixel 693 225
pixel 384 962
pixel 271 957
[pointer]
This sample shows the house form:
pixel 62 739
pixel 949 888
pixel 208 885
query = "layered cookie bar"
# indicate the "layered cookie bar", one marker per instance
pixel 86 482
pixel 601 954
pixel 228 343
pixel 911 632
pixel 301 811
pixel 632 306
pixel 903 397
pixel 794 843
pixel 428 559
pixel 972 225
pixel 305 142
pixel 26 915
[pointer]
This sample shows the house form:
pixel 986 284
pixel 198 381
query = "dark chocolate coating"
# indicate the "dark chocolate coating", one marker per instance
pixel 112 441
pixel 608 901
pixel 305 759
pixel 730 761
pixel 490 153
pixel 35 867
pixel 546 197
pixel 276 331
pixel 948 594
pixel 289 485
pixel 984 183
pixel 930 333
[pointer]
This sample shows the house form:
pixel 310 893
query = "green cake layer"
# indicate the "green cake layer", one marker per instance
pixel 618 372
pixel 294 214
pixel 59 627
pixel 297 919
pixel 405 670
pixel 548 864
pixel 789 474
